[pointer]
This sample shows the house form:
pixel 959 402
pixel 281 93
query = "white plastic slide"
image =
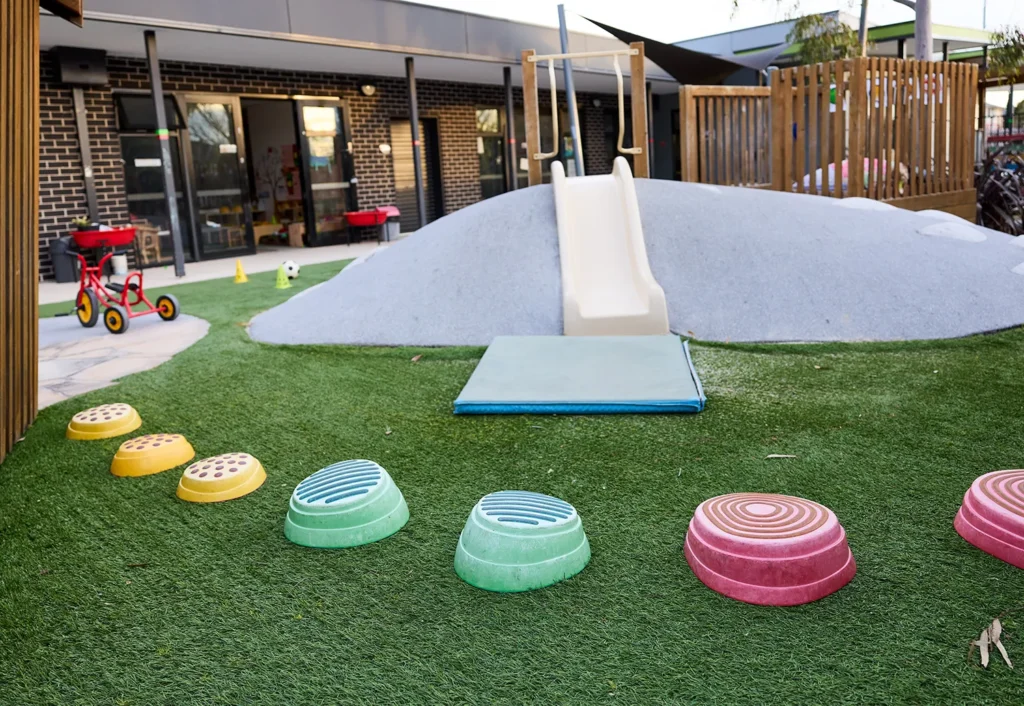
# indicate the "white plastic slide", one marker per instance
pixel 607 285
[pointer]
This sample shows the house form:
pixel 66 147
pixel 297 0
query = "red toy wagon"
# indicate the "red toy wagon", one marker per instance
pixel 119 299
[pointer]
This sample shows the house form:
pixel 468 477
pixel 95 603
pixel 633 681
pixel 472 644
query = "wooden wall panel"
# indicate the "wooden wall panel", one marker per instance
pixel 19 197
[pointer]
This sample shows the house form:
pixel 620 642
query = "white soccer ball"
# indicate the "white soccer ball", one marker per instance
pixel 291 268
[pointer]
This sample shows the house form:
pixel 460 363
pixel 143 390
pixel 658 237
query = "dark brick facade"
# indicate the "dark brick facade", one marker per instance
pixel 62 190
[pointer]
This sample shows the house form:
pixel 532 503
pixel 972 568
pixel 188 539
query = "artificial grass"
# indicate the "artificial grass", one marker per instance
pixel 114 591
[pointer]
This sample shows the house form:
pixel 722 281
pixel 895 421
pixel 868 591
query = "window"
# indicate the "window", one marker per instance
pixel 136 113
pixel 490 147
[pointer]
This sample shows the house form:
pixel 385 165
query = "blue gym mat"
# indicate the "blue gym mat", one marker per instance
pixel 583 375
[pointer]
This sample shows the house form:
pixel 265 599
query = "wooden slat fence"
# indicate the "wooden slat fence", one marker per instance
pixel 725 134
pixel 19 196
pixel 886 129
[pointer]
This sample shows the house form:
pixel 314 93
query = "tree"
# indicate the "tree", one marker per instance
pixel 922 26
pixel 824 38
pixel 1006 59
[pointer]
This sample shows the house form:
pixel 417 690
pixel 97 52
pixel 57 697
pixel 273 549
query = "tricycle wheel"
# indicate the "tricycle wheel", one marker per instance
pixel 167 307
pixel 87 308
pixel 116 318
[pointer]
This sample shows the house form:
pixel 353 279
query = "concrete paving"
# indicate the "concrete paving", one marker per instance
pixel 735 264
pixel 265 260
pixel 74 360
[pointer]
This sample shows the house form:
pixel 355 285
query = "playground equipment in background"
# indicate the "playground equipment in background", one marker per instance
pixel 240 277
pixel 103 422
pixel 519 541
pixel 607 285
pixel 768 549
pixel 120 299
pixel 221 478
pixel 347 504
pixel 151 453
pixel 992 515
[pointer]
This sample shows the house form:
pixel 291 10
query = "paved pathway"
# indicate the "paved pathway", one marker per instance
pixel 266 260
pixel 74 360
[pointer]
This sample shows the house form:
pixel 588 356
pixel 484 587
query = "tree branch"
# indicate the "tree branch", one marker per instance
pixel 909 3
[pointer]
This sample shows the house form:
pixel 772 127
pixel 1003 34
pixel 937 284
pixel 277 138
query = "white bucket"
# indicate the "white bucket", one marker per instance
pixel 120 264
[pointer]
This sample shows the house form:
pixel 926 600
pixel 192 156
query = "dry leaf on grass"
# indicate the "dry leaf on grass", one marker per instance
pixel 416 358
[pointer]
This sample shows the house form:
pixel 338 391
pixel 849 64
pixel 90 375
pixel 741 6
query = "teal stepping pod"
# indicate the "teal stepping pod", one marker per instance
pixel 516 540
pixel 345 505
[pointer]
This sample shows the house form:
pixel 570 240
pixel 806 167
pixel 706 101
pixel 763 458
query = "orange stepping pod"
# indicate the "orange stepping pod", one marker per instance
pixel 152 453
pixel 220 478
pixel 103 422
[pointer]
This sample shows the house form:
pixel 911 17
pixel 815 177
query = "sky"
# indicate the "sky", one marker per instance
pixel 674 20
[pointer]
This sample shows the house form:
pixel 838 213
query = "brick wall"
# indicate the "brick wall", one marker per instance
pixel 62 194
pixel 61 185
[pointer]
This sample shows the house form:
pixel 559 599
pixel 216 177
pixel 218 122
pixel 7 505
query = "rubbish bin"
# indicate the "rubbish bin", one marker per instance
pixel 392 226
pixel 65 265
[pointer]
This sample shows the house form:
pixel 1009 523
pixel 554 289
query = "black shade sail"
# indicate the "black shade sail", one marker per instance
pixel 693 67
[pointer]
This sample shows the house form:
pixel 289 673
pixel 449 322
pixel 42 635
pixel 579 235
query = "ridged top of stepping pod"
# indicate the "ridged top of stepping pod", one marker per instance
pixel 762 518
pixel 104 421
pixel 340 484
pixel 524 508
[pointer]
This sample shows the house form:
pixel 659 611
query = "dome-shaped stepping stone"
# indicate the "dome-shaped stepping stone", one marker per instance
pixel 151 453
pixel 517 541
pixel 220 478
pixel 103 422
pixel 992 516
pixel 768 549
pixel 345 505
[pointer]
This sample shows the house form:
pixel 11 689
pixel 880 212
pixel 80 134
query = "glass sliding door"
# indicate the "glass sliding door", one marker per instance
pixel 326 170
pixel 147 203
pixel 216 154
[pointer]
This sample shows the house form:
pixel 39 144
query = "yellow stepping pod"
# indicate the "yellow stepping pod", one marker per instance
pixel 152 453
pixel 220 478
pixel 103 422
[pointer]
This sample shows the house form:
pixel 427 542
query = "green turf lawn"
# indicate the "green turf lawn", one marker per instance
pixel 114 591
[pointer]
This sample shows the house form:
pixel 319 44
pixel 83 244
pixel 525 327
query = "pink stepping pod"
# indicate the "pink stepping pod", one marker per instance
pixel 992 516
pixel 768 549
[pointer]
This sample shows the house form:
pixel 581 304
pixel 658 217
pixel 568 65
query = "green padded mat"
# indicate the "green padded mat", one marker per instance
pixel 583 375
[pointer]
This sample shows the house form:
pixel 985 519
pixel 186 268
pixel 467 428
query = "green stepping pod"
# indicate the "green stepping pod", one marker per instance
pixel 517 541
pixel 345 505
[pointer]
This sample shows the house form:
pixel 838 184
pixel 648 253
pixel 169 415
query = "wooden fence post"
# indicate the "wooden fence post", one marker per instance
pixel 858 118
pixel 638 110
pixel 687 134
pixel 778 127
pixel 531 115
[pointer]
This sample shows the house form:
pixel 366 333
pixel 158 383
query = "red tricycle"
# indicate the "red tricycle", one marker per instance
pixel 118 298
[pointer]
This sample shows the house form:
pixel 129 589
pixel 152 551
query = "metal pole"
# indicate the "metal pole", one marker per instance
pixel 170 192
pixel 414 128
pixel 570 95
pixel 511 168
pixel 650 128
pixel 862 31
pixel 945 51
pixel 82 125
pixel 923 30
